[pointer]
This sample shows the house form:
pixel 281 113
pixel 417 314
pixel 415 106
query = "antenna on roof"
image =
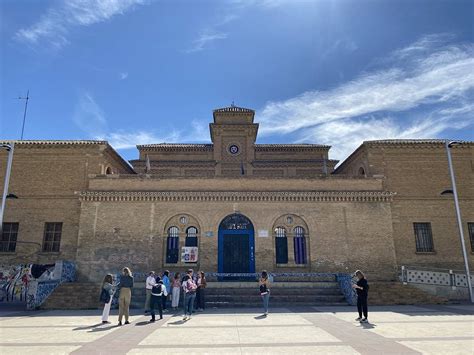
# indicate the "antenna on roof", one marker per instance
pixel 24 113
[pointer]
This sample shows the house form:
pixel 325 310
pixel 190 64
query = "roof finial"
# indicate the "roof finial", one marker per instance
pixel 232 105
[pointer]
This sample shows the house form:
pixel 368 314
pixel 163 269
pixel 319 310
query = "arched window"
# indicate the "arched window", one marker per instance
pixel 281 245
pixel 108 170
pixel 361 171
pixel 172 245
pixel 191 237
pixel 299 244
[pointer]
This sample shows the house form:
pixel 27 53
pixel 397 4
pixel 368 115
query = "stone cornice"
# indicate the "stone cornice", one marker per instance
pixel 231 196
pixel 173 147
pixel 298 163
pixel 53 143
pixel 174 163
pixel 290 147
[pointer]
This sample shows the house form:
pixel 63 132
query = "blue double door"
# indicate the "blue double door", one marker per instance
pixel 236 245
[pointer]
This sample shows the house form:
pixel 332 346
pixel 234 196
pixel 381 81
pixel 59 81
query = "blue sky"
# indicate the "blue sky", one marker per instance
pixel 330 72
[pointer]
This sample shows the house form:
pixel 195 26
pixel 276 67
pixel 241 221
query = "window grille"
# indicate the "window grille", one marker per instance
pixel 299 244
pixel 191 237
pixel 423 237
pixel 52 236
pixel 172 245
pixel 9 236
pixel 281 245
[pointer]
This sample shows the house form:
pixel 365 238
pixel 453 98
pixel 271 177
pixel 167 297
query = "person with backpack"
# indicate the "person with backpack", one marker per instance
pixel 362 289
pixel 200 293
pixel 264 286
pixel 189 288
pixel 106 296
pixel 157 292
pixel 176 287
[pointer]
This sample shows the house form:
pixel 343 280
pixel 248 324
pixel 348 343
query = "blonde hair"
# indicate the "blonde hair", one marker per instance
pixel 127 271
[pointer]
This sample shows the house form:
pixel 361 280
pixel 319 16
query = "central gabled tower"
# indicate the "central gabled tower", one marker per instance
pixel 233 134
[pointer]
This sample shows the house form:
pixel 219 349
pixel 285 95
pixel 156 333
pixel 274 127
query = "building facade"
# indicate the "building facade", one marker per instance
pixel 239 206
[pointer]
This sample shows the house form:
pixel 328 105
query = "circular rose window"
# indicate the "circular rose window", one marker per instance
pixel 233 149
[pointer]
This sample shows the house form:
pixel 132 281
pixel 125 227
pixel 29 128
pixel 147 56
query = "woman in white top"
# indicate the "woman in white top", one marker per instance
pixel 150 280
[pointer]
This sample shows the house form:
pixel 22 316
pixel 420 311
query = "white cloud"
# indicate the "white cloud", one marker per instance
pixel 123 75
pixel 88 115
pixel 54 26
pixel 427 75
pixel 346 135
pixel 198 132
pixel 206 37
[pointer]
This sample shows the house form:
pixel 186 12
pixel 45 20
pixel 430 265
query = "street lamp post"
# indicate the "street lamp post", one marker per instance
pixel 448 146
pixel 9 148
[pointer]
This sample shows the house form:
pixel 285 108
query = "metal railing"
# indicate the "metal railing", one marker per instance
pixel 434 276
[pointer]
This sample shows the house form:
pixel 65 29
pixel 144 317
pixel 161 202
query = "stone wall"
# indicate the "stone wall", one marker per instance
pixel 417 171
pixel 342 236
pixel 46 177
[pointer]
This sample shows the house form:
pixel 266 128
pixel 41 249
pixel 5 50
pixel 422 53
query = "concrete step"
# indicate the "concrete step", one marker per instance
pixel 272 304
pixel 281 298
pixel 288 291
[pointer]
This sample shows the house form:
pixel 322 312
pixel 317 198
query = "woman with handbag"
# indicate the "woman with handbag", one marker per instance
pixel 106 295
pixel 264 285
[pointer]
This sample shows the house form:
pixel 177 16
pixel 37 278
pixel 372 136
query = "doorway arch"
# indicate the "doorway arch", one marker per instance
pixel 236 245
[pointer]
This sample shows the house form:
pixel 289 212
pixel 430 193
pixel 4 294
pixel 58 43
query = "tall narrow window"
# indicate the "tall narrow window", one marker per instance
pixel 191 237
pixel 172 245
pixel 299 244
pixel 9 235
pixel 470 229
pixel 423 237
pixel 52 236
pixel 281 246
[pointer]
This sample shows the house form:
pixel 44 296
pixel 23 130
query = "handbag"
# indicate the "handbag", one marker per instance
pixel 263 289
pixel 104 296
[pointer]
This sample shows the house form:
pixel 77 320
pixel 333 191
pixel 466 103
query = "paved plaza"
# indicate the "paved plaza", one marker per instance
pixel 311 330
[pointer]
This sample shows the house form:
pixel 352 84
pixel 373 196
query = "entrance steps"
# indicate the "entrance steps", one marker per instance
pixel 283 294
pixel 85 295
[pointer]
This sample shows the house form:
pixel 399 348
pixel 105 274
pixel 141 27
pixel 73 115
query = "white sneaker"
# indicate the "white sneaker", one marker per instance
pixel 364 320
pixel 358 319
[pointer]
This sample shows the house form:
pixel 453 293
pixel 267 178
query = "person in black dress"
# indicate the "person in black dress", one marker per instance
pixel 362 289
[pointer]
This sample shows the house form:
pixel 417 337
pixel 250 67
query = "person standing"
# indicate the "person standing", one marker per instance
pixel 157 292
pixel 125 296
pixel 167 284
pixel 150 281
pixel 200 294
pixel 264 286
pixel 189 287
pixel 362 289
pixel 176 287
pixel 106 296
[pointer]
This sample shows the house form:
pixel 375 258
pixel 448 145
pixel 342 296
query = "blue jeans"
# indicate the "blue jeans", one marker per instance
pixel 266 299
pixel 189 303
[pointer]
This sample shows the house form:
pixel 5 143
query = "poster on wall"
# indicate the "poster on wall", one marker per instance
pixel 263 233
pixel 189 254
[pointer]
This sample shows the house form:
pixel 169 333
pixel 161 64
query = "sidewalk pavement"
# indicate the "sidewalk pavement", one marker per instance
pixel 309 330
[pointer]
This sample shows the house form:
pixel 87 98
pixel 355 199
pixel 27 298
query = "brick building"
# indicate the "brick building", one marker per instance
pixel 245 206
